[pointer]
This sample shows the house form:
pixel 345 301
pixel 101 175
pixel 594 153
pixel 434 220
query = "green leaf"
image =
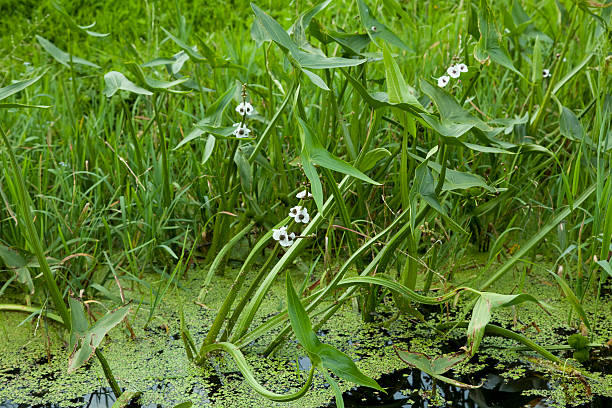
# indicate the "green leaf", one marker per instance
pixel 572 299
pixel 11 258
pixel 536 61
pixel 398 90
pixel 450 111
pixel 62 57
pixel 125 399
pixel 424 186
pixel 381 99
pixel 321 355
pixel 435 367
pixel 155 84
pixel 569 125
pixel 605 265
pixel 116 81
pixel 372 157
pixel 276 33
pixel 376 29
pixel 320 156
pixel 245 171
pixel 84 341
pixel 315 79
pixel 459 180
pixel 481 314
pixel 17 87
pixel 489 47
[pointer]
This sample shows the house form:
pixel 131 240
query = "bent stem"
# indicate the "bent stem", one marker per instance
pixel 245 369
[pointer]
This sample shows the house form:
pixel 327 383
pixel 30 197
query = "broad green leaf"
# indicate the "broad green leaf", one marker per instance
pixel 353 43
pixel 321 355
pixel 155 84
pixel 536 61
pixel 450 111
pixel 569 125
pixel 490 47
pixel 343 366
pixel 245 171
pixel 435 367
pixel 317 154
pixel 303 59
pixel 116 81
pixel 398 90
pixel 17 87
pixel 381 99
pixel 372 157
pixel 300 323
pixel 78 322
pixel 11 258
pixel 459 180
pixel 481 314
pixel 61 56
pixel 315 182
pixel 86 342
pixel 376 29
pixel 424 186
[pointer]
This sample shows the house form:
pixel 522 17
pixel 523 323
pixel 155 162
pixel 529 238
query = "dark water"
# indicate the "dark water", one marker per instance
pixel 494 393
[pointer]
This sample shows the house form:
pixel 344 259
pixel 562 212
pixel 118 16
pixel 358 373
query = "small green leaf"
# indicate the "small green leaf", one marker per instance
pixel 116 81
pixel 155 84
pixel 572 299
pixel 315 79
pixel 398 90
pixel 435 367
pixel 61 56
pixel 481 314
pixel 372 157
pixel 245 171
pixel 84 341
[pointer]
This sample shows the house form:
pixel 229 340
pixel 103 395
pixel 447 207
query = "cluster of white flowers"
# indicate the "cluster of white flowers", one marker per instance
pixel 454 71
pixel 244 109
pixel 299 215
pixel 283 237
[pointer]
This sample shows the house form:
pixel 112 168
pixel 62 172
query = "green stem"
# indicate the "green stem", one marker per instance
pixel 245 369
pixel 162 139
pixel 108 373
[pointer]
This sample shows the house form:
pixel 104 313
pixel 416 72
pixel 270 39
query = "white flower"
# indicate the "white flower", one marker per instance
pixel 241 130
pixel 443 80
pixel 303 194
pixel 283 237
pixel 462 67
pixel 453 71
pixel 546 73
pixel 245 108
pixel 295 211
pixel 302 216
pixel 373 28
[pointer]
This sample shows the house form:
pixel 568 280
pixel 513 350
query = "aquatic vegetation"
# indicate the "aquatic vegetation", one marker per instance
pixel 435 174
